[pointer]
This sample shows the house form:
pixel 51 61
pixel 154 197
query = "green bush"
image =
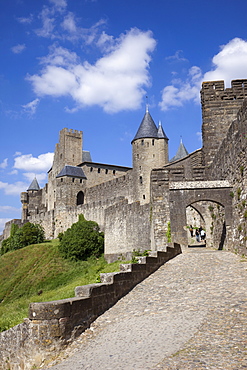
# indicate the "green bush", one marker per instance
pixel 82 240
pixel 23 236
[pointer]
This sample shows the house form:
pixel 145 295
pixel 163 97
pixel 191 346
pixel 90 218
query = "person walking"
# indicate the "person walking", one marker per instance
pixel 198 236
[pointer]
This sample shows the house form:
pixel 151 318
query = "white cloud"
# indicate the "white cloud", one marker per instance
pixel 179 92
pixel 177 57
pixel 69 23
pixel 115 82
pixel 14 172
pixel 9 209
pixel 30 108
pixel 4 163
pixel 29 163
pixel 59 3
pixel 26 20
pixel 13 189
pixel 17 49
pixel 31 175
pixel 229 64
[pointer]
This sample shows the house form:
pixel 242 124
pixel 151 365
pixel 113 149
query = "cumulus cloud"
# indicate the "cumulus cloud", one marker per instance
pixel 115 82
pixel 17 49
pixel 13 189
pixel 30 108
pixel 229 64
pixel 4 163
pixel 29 163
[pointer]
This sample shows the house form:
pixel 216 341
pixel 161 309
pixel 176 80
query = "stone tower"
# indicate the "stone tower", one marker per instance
pixel 149 151
pixel 219 109
pixel 67 152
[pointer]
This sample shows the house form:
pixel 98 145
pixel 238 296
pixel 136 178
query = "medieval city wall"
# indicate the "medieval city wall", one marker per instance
pixel 230 163
pixel 127 227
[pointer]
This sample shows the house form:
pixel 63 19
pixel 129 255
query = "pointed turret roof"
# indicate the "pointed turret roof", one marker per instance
pixel 181 152
pixel 147 128
pixel 161 133
pixel 34 185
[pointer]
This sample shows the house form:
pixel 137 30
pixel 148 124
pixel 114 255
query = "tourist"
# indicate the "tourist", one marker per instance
pixel 191 231
pixel 198 236
pixel 203 235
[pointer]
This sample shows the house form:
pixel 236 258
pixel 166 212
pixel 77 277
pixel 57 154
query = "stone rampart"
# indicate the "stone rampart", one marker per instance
pixel 230 163
pixel 52 325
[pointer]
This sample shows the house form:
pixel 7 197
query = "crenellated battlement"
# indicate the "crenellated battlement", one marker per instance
pixel 216 91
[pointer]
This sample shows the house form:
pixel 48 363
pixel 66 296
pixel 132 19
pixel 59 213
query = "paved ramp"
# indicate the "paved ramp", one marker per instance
pixel 190 314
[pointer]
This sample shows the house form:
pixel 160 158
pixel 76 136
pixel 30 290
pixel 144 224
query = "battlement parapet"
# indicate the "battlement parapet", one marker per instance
pixel 215 90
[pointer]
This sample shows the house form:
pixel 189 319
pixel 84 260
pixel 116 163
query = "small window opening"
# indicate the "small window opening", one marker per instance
pixel 98 170
pixel 73 179
pixel 142 142
pixel 141 180
pixel 91 169
pixel 143 196
pixel 80 198
pixel 152 141
pixel 114 172
pixel 80 181
pixel 61 180
pixel 106 171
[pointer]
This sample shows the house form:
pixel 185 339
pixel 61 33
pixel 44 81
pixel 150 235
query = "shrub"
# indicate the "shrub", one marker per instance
pixel 82 240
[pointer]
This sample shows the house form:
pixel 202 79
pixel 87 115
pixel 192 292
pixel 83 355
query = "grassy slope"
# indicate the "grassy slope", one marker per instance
pixel 27 271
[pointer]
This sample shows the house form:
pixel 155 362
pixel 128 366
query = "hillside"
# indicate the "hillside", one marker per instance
pixel 38 273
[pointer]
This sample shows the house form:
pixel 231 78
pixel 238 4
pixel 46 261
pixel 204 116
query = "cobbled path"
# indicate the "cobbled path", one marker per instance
pixel 190 314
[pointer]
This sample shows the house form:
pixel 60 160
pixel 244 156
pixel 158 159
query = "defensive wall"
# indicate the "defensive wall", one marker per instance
pixel 52 325
pixel 231 163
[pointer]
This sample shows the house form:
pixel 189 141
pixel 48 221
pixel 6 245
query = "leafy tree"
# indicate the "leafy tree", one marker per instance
pixel 82 240
pixel 23 236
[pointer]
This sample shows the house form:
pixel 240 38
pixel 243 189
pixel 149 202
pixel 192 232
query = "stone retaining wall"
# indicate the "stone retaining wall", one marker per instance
pixel 52 325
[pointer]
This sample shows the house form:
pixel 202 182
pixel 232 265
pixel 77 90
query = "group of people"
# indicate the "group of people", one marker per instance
pixel 200 234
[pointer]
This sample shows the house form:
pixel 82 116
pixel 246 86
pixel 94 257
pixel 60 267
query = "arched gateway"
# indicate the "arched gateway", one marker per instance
pixel 184 194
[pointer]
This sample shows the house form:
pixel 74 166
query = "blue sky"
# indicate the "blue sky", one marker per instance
pixel 92 65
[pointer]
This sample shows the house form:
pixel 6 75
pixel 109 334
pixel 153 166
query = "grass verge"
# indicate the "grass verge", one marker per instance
pixel 38 273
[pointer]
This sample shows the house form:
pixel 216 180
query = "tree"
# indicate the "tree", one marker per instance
pixel 82 240
pixel 23 236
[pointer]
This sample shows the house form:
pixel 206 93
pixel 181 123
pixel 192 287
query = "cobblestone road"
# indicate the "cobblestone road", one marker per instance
pixel 190 314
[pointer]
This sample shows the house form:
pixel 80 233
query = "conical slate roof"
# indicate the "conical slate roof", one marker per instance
pixel 181 152
pixel 147 128
pixel 161 133
pixel 34 185
pixel 72 171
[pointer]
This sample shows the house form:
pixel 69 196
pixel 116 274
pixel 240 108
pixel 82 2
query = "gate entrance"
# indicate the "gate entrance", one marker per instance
pixel 211 200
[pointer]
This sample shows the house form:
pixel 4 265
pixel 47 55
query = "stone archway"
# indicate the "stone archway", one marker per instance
pixel 184 194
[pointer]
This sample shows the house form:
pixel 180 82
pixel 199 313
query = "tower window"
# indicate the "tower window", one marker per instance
pixel 141 180
pixel 106 171
pixel 114 172
pixel 143 196
pixel 98 170
pixel 142 142
pixel 152 141
pixel 73 179
pixel 91 169
pixel 80 181
pixel 80 198
pixel 61 179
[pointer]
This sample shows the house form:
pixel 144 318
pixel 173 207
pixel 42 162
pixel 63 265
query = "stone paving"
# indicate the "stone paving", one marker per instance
pixel 190 314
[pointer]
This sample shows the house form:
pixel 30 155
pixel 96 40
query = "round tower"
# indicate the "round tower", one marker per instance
pixel 149 151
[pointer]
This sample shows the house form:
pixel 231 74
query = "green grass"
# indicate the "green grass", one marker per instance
pixel 26 272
